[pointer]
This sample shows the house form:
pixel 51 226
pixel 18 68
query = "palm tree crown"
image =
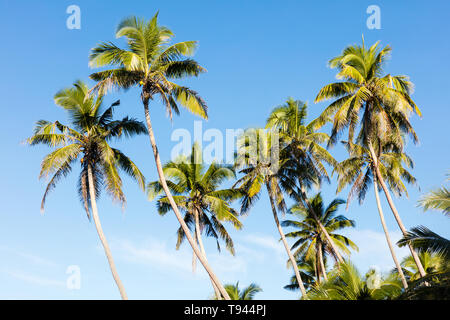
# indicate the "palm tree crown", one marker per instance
pixel 149 61
pixel 380 104
pixel 87 141
pixel 196 189
pixel 247 293
pixel 346 283
pixel 310 241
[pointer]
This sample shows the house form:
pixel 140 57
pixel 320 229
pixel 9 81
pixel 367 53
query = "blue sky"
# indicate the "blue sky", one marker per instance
pixel 257 54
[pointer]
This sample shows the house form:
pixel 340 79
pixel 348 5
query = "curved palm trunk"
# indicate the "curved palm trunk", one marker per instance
pixel 322 264
pixel 322 228
pixel 98 226
pixel 286 246
pixel 198 235
pixel 185 228
pixel 386 233
pixel 394 209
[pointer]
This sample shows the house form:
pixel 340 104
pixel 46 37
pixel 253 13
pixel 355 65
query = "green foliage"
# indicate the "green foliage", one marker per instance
pixel 247 293
pixel 150 61
pixel 87 141
pixel 346 283
pixel 437 199
pixel 310 242
pixel 196 187
pixel 358 170
pixel 424 240
pixel 379 105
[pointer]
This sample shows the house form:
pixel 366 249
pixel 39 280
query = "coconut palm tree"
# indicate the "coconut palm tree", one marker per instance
pixel 302 144
pixel 151 62
pixel 262 165
pixel 308 272
pixel 422 238
pixel 346 283
pixel 438 199
pixel 247 293
pixel 87 142
pixel 432 262
pixel 379 105
pixel 197 193
pixel 310 241
pixel 358 172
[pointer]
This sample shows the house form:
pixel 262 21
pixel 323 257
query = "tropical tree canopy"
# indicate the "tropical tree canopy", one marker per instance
pixel 358 170
pixel 308 236
pixel 197 187
pixel 308 272
pixel 87 140
pixel 247 293
pixel 379 104
pixel 150 61
pixel 346 283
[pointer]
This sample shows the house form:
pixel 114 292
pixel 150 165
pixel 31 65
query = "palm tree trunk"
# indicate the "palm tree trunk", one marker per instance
pixel 185 228
pixel 194 257
pixel 394 209
pixel 317 265
pixel 386 233
pixel 286 246
pixel 202 248
pixel 322 228
pixel 322 264
pixel 101 235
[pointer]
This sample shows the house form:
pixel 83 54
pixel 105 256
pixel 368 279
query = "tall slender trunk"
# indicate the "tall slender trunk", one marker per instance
pixel 393 208
pixel 194 257
pixel 322 228
pixel 322 264
pixel 202 249
pixel 286 246
pixel 317 265
pixel 185 228
pixel 386 233
pixel 101 235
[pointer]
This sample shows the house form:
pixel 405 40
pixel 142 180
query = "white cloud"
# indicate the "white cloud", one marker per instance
pixel 265 241
pixel 373 249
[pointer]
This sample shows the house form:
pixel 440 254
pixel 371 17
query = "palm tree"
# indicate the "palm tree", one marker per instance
pixel 308 272
pixel 438 199
pixel 379 105
pixel 423 239
pixel 310 240
pixel 432 262
pixel 302 145
pixel 87 141
pixel 358 171
pixel 197 194
pixel 247 293
pixel 150 61
pixel 261 165
pixel 348 284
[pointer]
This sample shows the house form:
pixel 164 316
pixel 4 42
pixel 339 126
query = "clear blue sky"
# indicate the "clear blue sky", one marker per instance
pixel 257 54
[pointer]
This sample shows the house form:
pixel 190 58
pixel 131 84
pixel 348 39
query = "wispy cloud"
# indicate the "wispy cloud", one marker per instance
pixel 265 241
pixel 32 258
pixel 373 249
pixel 154 253
pixel 34 279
